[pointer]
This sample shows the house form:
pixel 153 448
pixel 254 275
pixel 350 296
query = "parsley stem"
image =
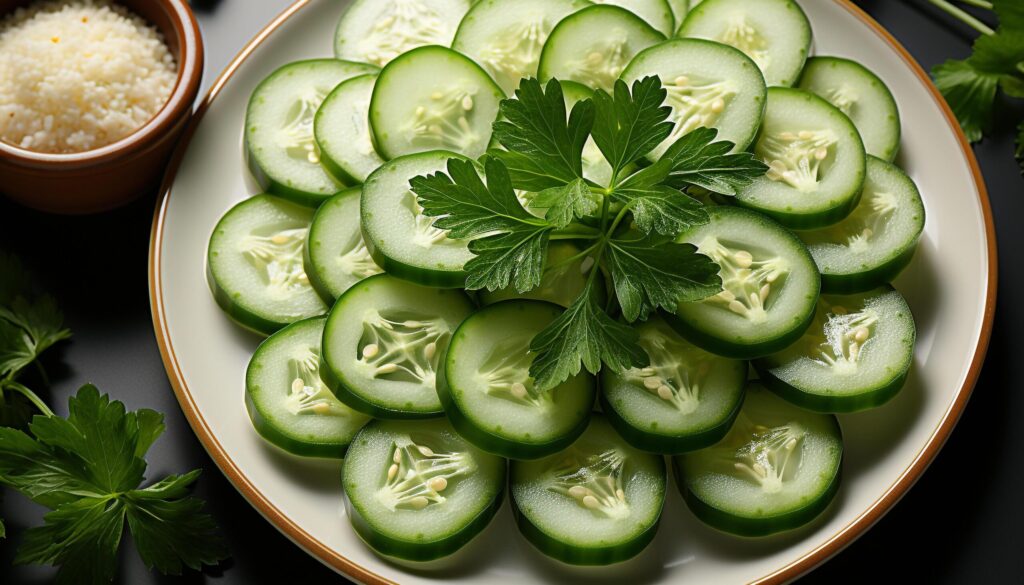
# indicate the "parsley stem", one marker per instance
pixel 961 15
pixel 979 4
pixel 576 232
pixel 618 218
pixel 32 397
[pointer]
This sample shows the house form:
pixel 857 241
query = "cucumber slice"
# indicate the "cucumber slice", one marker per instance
pixel 377 31
pixel 382 343
pixel 336 256
pixel 506 36
pixel 770 286
pixel 594 45
pixel 596 503
pixel 686 399
pixel 417 491
pixel 254 264
pixel 433 98
pixel 680 8
pixel 400 238
pixel 595 167
pixel 862 96
pixel 774 33
pixel 855 356
pixel 777 469
pixel 279 144
pixel 288 403
pixel 561 284
pixel 487 391
pixel 708 84
pixel 877 240
pixel 342 131
pixel 816 161
pixel 657 13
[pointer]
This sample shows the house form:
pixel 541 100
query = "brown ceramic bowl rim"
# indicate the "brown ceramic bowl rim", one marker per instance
pixel 186 87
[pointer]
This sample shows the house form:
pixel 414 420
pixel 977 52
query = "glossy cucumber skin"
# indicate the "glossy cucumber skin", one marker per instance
pixel 487 441
pixel 238 313
pixel 319 284
pixel 270 185
pixel 757 527
pixel 831 404
pixel 738 351
pixel 301 448
pixel 664 444
pixel 869 279
pixel 803 221
pixel 415 274
pixel 583 556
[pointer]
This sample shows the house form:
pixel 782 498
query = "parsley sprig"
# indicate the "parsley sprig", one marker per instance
pixel 88 468
pixel 997 63
pixel 534 191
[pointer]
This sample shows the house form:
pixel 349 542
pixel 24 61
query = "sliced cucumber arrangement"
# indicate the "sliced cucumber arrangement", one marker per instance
pixel 336 256
pixel 254 264
pixel 378 354
pixel 862 96
pixel 575 53
pixel 417 491
pixel 433 98
pixel 377 31
pixel 382 345
pixel 777 469
pixel 596 503
pixel 560 285
pixel 506 36
pixel 685 399
pixel 769 286
pixel 877 240
pixel 279 143
pixel 488 393
pixel 709 85
pixel 815 157
pixel 774 33
pixel 288 403
pixel 856 355
pixel 402 240
pixel 657 13
pixel 342 131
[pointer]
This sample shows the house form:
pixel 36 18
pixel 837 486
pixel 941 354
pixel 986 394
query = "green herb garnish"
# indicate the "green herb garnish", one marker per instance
pixel 628 227
pixel 87 468
pixel 997 63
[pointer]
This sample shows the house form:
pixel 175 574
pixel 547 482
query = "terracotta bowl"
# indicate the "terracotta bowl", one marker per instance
pixel 110 176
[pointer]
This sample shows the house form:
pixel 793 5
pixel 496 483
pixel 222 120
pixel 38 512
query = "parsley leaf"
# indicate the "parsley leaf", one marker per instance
pixel 1010 13
pixel 544 150
pixel 81 537
pixel 583 336
pixel 654 272
pixel 88 468
pixel 562 204
pixel 662 209
pixel 1002 54
pixel 514 245
pixel 970 93
pixel 697 159
pixel 629 125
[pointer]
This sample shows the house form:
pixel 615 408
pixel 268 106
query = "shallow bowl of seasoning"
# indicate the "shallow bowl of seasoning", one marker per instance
pixel 112 175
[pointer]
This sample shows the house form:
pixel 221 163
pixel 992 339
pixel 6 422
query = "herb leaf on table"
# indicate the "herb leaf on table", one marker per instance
pixel 971 85
pixel 626 228
pixel 88 468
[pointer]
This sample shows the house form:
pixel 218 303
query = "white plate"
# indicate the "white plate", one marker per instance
pixel 950 286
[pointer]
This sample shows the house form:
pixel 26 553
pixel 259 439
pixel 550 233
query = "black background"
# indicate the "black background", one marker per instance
pixel 960 524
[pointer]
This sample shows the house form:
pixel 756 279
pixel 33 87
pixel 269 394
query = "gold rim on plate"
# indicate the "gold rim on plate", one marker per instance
pixel 325 554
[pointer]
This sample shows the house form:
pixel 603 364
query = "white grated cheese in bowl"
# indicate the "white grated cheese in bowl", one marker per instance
pixel 77 75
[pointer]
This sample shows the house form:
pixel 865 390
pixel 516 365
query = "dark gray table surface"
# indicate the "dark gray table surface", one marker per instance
pixel 960 524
